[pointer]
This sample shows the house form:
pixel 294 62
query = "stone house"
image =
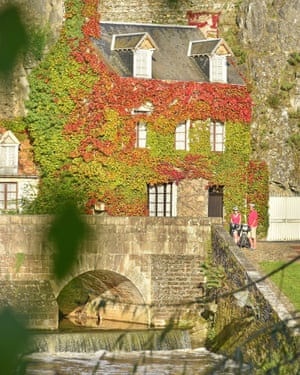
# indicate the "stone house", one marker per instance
pixel 18 174
pixel 158 123
pixel 172 53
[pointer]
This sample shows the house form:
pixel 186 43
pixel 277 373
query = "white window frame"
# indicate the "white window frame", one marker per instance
pixel 182 136
pixel 141 135
pixel 162 200
pixel 142 63
pixel 8 196
pixel 217 136
pixel 9 158
pixel 218 68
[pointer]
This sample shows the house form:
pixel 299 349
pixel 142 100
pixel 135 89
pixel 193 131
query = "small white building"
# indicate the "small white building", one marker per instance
pixel 284 217
pixel 18 174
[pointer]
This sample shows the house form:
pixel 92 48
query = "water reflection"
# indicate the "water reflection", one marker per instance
pixel 103 324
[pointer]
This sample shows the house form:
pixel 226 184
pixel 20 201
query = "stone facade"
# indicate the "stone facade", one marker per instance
pixel 158 11
pixel 192 198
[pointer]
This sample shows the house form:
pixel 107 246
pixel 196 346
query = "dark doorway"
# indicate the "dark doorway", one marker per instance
pixel 215 201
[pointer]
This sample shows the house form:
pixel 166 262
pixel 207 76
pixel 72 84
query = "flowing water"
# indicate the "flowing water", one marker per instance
pixel 173 362
pixel 123 352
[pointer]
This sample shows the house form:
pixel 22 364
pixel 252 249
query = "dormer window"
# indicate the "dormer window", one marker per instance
pixel 142 63
pixel 218 69
pixel 211 56
pixel 141 46
pixel 9 150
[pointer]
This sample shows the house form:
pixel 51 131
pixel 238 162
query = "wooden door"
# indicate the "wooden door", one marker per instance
pixel 215 201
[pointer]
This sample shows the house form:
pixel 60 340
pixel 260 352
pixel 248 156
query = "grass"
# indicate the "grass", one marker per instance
pixel 287 279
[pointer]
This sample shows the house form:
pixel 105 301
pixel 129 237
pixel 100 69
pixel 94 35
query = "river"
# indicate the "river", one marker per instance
pixel 123 352
pixel 173 362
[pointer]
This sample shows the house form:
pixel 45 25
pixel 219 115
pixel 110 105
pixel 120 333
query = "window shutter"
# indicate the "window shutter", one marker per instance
pixel 141 135
pixel 182 136
pixel 142 64
pixel 218 69
pixel 8 159
pixel 217 137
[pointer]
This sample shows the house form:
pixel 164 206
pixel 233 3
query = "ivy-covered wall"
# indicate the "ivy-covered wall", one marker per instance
pixel 79 119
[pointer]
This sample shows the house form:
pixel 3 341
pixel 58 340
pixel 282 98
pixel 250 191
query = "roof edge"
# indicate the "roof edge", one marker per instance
pixel 149 24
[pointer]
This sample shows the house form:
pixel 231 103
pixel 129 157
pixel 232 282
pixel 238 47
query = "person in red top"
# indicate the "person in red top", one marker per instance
pixel 235 222
pixel 252 222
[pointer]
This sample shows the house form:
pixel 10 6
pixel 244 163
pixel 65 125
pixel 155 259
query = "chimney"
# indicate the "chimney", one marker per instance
pixel 207 22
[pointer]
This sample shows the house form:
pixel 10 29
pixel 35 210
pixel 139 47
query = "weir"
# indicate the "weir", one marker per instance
pixel 93 341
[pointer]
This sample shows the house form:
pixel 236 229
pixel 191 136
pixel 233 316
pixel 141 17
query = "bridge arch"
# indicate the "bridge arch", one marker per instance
pixel 102 294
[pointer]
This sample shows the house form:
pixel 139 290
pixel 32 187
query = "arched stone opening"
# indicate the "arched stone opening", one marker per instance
pixel 102 295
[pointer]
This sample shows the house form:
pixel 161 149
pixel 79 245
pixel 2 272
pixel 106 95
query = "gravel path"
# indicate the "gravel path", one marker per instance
pixel 275 251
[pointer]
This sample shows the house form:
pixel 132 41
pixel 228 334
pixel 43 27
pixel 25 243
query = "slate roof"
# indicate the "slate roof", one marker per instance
pixel 129 41
pixel 205 47
pixel 170 61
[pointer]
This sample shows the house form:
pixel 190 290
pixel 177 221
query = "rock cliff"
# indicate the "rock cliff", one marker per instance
pixel 263 33
pixel 269 31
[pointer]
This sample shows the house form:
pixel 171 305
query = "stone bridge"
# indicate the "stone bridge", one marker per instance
pixel 151 264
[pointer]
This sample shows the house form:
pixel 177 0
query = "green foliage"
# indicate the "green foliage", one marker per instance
pixel 19 261
pixel 37 42
pixel 294 141
pixel 199 138
pixel 84 139
pixel 231 37
pixel 295 114
pixel 287 279
pixel 13 342
pixel 214 275
pixel 287 86
pixel 14 38
pixel 274 101
pixel 294 58
pixel 67 232
pixel 17 126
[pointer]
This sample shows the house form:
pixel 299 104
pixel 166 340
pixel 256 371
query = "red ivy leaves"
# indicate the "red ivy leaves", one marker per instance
pixel 173 101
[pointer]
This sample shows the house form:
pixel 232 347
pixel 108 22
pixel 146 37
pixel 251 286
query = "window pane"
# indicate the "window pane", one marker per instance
pixel 162 199
pixel 141 135
pixel 142 63
pixel 181 136
pixel 217 136
pixel 8 196
pixel 218 69
pixel 2 196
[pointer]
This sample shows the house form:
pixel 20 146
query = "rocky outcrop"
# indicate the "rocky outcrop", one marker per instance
pixel 269 32
pixel 47 15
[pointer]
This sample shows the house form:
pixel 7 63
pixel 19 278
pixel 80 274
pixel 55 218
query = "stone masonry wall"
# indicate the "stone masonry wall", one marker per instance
pixel 192 198
pixel 160 257
pixel 175 284
pixel 245 305
pixel 158 11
